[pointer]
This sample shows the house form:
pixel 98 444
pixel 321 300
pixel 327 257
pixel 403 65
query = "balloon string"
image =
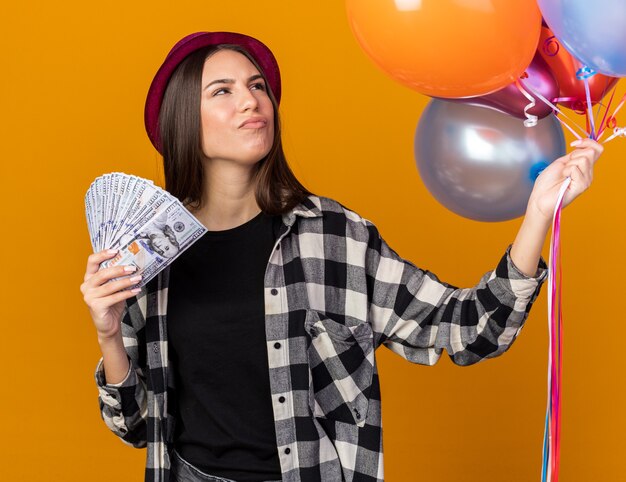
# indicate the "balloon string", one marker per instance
pixel 610 122
pixel 552 430
pixel 554 370
pixel 600 104
pixel 621 104
pixel 559 348
pixel 551 46
pixel 583 74
pixel 531 120
pixel 556 342
pixel 617 132
pixel 564 124
pixel 602 125
pixel 606 111
pixel 574 100
pixel 556 109
pixel 544 468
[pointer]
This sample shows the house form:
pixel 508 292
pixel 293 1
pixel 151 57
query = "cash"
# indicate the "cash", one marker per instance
pixel 148 226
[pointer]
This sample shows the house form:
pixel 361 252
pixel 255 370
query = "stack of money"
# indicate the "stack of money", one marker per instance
pixel 148 226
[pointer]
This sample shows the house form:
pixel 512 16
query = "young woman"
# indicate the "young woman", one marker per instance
pixel 252 357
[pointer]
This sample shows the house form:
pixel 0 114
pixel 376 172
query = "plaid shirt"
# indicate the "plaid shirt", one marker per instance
pixel 334 292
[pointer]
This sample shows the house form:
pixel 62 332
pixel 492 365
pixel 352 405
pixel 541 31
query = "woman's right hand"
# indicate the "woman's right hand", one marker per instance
pixel 105 299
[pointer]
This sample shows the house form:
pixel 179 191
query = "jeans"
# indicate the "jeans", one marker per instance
pixel 183 471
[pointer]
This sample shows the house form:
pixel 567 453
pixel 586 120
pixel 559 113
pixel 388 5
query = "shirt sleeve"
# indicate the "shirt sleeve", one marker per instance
pixel 123 405
pixel 417 316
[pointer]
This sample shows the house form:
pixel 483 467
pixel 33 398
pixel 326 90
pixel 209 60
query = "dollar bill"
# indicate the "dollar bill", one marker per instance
pixel 147 225
pixel 153 246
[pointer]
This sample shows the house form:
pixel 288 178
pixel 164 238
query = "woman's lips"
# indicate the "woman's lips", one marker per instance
pixel 254 123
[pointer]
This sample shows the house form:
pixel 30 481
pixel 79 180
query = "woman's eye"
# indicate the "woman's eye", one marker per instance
pixel 220 92
pixel 259 85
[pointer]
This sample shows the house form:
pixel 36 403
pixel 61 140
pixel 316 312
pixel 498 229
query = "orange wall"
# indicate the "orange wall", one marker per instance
pixel 73 82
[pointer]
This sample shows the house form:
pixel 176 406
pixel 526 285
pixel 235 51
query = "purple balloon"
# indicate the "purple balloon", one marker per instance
pixel 592 31
pixel 510 100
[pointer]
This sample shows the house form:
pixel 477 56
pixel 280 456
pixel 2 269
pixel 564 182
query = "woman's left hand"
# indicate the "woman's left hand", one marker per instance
pixel 578 165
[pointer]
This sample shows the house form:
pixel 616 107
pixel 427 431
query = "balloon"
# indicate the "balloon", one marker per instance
pixel 564 68
pixel 593 31
pixel 512 102
pixel 448 48
pixel 480 163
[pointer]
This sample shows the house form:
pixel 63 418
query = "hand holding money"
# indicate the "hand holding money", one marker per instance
pixel 146 225
pixel 136 229
pixel 104 297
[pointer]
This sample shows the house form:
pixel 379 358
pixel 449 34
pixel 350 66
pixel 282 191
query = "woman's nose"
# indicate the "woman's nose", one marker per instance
pixel 248 101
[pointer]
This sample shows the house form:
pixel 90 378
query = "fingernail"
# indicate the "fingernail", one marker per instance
pixel 111 251
pixel 130 269
pixel 576 143
pixel 135 290
pixel 134 279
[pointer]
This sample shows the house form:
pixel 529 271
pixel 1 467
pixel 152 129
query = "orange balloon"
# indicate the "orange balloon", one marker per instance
pixel 448 48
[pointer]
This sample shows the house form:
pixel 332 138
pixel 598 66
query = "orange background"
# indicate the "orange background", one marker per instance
pixel 73 82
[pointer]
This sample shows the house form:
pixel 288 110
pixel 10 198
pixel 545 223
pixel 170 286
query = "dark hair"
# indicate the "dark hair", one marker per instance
pixel 277 191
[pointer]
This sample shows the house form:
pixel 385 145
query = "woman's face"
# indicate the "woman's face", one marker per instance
pixel 237 114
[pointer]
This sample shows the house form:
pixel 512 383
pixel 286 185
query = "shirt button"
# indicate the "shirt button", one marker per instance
pixel 155 349
pixel 278 247
pixel 287 450
pixel 274 291
pixel 277 345
pixel 281 399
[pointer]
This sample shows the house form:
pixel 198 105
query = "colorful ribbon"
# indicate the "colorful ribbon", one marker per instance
pixel 611 121
pixel 608 121
pixel 552 430
pixel 583 74
pixel 617 132
pixel 556 110
pixel 531 119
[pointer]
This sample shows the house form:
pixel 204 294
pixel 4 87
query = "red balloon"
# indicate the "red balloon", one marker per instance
pixel 510 99
pixel 564 67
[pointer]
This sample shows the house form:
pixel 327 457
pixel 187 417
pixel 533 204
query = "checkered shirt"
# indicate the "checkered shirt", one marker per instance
pixel 334 291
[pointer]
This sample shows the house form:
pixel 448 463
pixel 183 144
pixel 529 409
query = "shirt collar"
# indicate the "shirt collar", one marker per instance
pixel 310 207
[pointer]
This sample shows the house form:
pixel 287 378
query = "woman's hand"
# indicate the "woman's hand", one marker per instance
pixel 106 299
pixel 578 165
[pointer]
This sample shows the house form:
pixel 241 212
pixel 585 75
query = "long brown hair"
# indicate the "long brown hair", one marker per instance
pixel 277 189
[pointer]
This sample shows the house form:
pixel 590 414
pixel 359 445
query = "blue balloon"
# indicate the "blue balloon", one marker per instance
pixel 593 31
pixel 480 163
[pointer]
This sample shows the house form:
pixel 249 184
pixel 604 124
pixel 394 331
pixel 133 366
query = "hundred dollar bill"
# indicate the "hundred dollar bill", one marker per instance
pixel 155 202
pixel 112 209
pixel 155 245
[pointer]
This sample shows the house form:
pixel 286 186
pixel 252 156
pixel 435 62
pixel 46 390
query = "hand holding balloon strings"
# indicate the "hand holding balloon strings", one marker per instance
pixel 577 165
pixel 577 26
